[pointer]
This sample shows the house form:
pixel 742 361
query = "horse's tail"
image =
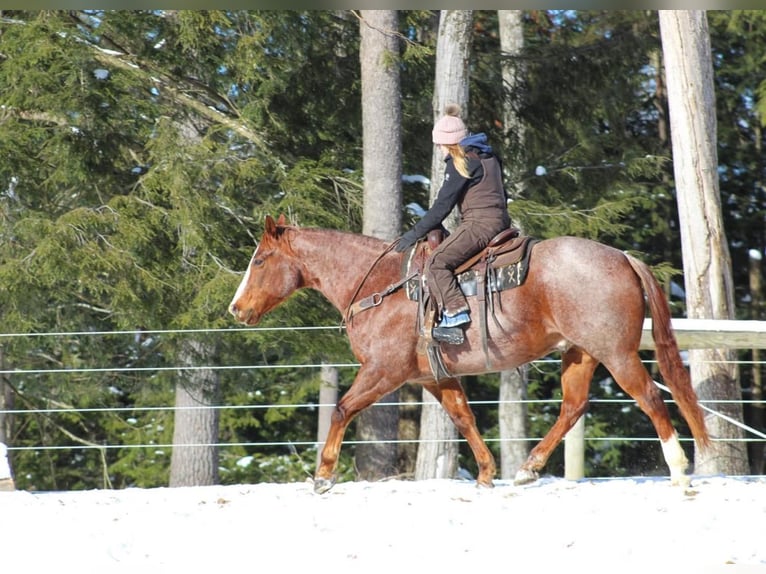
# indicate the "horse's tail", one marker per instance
pixel 668 355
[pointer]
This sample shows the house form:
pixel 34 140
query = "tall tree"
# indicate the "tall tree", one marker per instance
pixel 382 165
pixel 707 264
pixel 512 410
pixel 194 461
pixel 437 454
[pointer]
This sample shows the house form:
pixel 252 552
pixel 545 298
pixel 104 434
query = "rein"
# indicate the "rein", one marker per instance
pixel 376 298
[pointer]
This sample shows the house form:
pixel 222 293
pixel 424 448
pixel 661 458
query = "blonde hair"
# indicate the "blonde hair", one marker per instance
pixel 457 153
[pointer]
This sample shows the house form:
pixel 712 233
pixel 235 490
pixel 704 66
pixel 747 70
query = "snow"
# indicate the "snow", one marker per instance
pixel 592 525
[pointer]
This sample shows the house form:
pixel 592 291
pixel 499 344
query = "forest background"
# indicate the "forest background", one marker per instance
pixel 141 150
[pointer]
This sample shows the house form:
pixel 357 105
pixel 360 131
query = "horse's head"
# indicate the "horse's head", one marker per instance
pixel 271 277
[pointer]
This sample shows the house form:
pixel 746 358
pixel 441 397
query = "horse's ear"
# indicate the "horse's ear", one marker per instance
pixel 271 226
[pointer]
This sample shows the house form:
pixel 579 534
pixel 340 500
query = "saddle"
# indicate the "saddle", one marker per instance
pixel 501 265
pixel 503 262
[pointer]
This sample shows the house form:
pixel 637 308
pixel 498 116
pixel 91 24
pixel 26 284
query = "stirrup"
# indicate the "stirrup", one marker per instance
pixel 456 320
pixel 451 335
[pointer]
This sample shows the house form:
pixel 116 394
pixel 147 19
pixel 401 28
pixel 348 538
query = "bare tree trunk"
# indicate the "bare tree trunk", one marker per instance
pixel 453 52
pixel 707 264
pixel 438 450
pixel 512 420
pixel 660 102
pixel 194 461
pixel 377 427
pixel 512 410
pixel 511 46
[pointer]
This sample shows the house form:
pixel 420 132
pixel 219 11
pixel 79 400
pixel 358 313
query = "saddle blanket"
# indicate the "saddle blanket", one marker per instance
pixel 505 271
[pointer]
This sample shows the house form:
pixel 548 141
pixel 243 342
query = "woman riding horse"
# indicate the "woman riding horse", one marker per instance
pixel 473 182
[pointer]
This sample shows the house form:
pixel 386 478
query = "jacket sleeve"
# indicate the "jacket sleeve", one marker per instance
pixel 450 193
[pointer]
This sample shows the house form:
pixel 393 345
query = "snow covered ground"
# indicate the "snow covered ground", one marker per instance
pixel 615 525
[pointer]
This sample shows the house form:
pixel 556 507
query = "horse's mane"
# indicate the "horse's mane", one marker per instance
pixel 339 238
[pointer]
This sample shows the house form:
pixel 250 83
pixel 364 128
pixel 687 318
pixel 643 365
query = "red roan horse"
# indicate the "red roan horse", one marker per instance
pixel 580 297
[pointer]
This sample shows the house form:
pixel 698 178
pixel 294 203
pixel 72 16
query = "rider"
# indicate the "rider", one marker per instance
pixel 473 182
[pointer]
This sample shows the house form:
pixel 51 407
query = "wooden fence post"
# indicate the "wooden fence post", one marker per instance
pixel 328 397
pixel 6 481
pixel 574 451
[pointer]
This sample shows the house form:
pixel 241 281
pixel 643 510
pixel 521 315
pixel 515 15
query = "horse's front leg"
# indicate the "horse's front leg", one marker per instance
pixel 368 387
pixel 324 478
pixel 453 399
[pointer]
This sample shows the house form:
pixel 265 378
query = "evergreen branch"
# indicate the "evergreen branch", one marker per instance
pixel 100 447
pixel 83 21
pixel 34 116
pixel 31 406
pixel 92 307
pixel 244 221
pixel 390 33
pixel 118 49
pixel 221 265
pixel 179 96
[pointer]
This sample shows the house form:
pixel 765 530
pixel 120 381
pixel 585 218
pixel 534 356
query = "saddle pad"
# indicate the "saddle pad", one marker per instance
pixel 506 271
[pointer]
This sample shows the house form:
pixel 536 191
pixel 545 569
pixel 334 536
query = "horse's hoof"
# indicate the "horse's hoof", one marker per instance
pixel 524 476
pixel 485 484
pixel 682 480
pixel 322 485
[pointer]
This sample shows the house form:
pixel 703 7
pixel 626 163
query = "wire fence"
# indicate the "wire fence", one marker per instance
pixel 750 434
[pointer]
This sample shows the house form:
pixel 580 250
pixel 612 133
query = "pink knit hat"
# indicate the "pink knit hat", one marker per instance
pixel 449 129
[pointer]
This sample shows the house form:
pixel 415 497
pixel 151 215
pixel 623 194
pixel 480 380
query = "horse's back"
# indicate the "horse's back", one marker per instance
pixel 588 290
pixel 575 250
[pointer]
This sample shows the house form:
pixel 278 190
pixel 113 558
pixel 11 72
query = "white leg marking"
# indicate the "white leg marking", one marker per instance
pixel 676 459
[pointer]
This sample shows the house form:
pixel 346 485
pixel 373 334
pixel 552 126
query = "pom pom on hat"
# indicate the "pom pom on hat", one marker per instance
pixel 449 129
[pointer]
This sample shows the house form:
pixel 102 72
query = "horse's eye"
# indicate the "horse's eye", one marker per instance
pixel 257 262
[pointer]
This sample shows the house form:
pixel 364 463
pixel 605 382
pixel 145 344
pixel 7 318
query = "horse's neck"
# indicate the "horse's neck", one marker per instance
pixel 334 262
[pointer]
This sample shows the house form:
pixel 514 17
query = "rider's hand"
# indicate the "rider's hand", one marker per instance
pixel 406 241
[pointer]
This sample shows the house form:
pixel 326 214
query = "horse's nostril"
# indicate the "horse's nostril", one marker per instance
pixel 233 309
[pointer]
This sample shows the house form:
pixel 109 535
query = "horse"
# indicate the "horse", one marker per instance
pixel 581 298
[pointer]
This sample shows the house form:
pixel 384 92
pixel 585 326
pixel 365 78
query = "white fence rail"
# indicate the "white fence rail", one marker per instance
pixel 712 334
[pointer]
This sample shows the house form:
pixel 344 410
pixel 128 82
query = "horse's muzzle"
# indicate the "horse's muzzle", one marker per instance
pixel 244 316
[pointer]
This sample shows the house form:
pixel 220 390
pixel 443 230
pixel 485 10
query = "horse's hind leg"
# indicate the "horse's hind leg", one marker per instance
pixel 453 399
pixel 577 369
pixel 632 376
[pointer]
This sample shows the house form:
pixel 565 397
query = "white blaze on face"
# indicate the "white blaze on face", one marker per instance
pixel 243 284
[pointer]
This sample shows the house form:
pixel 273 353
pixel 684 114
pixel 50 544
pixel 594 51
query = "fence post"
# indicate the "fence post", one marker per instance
pixel 328 397
pixel 6 482
pixel 574 451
